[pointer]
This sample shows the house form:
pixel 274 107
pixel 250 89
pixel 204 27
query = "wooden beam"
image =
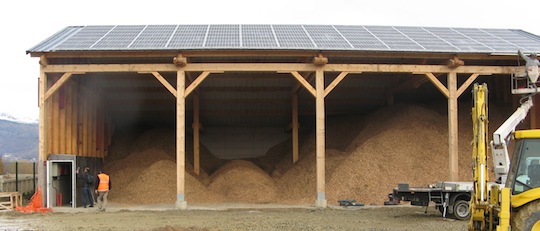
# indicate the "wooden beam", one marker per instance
pixel 196 144
pixel 68 115
pixel 320 139
pixel 85 115
pixel 453 127
pixel 282 67
pixel 407 68
pixel 62 121
pixel 534 115
pixel 42 117
pixel 334 83
pixel 54 124
pixel 298 85
pixel 438 84
pixel 180 140
pixel 43 62
pixel 75 119
pixel 58 84
pixel 466 84
pixel 305 83
pixel 294 127
pixel 196 83
pixel 164 82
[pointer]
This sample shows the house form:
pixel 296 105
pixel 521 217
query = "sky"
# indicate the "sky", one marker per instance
pixel 27 23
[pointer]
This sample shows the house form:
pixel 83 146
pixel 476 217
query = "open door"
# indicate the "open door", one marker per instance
pixel 61 183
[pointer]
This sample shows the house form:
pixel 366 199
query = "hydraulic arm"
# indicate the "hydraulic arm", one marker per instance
pixel 479 199
pixel 499 148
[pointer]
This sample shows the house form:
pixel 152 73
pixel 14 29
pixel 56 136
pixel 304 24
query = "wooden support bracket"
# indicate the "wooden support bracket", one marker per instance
pixel 305 83
pixel 180 61
pixel 320 60
pixel 454 62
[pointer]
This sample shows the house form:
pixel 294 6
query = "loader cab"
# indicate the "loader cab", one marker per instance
pixel 524 172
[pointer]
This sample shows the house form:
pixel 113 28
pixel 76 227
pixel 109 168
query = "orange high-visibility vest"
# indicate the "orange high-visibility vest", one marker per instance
pixel 103 185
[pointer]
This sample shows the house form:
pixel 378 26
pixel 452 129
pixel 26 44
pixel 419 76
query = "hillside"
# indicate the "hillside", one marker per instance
pixel 19 139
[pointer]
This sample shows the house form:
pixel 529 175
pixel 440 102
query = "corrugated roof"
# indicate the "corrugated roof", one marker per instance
pixel 288 37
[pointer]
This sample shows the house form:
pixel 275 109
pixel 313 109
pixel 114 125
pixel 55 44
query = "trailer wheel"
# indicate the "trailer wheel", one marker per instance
pixel 462 210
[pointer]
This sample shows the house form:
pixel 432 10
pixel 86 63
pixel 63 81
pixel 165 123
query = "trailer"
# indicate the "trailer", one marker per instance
pixel 450 198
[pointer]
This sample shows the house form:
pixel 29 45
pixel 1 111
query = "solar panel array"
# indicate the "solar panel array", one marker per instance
pixel 290 37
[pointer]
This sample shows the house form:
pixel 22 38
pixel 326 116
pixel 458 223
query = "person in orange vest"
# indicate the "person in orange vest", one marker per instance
pixel 102 189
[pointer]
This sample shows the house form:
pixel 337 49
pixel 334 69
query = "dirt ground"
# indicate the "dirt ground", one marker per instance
pixel 234 217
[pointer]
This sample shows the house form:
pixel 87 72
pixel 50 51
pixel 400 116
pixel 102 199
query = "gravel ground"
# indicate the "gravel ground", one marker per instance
pixel 370 218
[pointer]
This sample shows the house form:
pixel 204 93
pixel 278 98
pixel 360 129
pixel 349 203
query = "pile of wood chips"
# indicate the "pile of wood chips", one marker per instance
pixel 365 160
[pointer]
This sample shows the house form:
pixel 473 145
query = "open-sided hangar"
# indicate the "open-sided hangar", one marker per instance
pixel 251 80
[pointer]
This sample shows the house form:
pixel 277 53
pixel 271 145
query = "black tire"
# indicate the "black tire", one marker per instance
pixel 527 218
pixel 462 211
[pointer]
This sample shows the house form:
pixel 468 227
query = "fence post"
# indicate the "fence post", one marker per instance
pixel 34 175
pixel 16 176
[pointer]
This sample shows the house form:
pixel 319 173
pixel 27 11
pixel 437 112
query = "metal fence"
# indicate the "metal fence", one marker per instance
pixel 23 183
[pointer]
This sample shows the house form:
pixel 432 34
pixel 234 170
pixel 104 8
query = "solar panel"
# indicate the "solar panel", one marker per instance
pixel 361 38
pixel 119 37
pixel 85 38
pixel 393 38
pixel 223 36
pixel 292 36
pixel 326 36
pixel 258 36
pixel 304 37
pixel 154 36
pixel 426 39
pixel 487 39
pixel 462 42
pixel 520 39
pixel 188 36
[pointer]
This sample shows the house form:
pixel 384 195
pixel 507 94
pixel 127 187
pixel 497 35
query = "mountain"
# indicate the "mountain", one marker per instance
pixel 25 120
pixel 19 138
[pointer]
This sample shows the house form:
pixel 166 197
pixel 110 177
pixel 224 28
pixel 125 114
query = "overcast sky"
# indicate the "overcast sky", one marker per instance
pixel 26 23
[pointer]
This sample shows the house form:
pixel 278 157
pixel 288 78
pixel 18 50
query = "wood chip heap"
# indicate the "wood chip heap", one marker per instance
pixel 365 158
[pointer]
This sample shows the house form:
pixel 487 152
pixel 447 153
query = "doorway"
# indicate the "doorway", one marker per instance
pixel 61 183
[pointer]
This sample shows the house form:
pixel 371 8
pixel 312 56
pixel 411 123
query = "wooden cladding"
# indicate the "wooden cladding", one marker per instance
pixel 76 124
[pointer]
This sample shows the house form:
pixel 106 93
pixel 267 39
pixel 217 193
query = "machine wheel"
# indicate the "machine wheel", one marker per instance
pixel 527 218
pixel 462 210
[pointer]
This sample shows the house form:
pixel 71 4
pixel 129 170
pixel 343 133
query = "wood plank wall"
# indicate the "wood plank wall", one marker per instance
pixel 77 121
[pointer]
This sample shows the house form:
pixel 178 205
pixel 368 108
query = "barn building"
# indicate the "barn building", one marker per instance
pixel 241 89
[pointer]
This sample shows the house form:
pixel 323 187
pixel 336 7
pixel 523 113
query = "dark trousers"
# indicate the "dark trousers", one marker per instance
pixel 87 196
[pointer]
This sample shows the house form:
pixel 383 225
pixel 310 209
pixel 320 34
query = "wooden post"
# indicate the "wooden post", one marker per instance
pixel 320 133
pixel 62 120
pixel 75 119
pixel 196 151
pixel 55 123
pixel 84 115
pixel 68 115
pixel 295 127
pixel 534 117
pixel 42 134
pixel 453 126
pixel 181 203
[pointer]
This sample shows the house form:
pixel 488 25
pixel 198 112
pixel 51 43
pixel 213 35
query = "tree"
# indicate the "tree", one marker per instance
pixel 1 166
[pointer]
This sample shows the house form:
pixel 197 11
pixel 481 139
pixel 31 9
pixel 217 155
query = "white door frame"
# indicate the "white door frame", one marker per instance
pixel 73 181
